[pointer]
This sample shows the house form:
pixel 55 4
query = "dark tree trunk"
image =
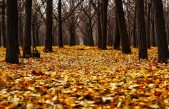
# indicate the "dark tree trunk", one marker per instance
pixel 90 34
pixel 88 37
pixel 12 49
pixel 72 36
pixel 49 39
pixel 60 37
pixel 99 32
pixel 110 35
pixel 117 36
pixel 20 22
pixel 141 29
pixel 37 35
pixel 153 38
pixel 33 36
pixel 72 29
pixel 122 27
pixel 28 24
pixel 104 24
pixel 3 24
pixel 0 33
pixel 161 34
pixel 135 41
pixel 148 26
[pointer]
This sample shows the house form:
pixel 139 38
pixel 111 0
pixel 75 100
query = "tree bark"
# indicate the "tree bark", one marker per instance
pixel 28 29
pixel 153 38
pixel 49 22
pixel 20 22
pixel 12 49
pixel 3 23
pixel 117 36
pixel 37 35
pixel 60 37
pixel 0 33
pixel 163 53
pixel 135 41
pixel 72 37
pixel 104 24
pixel 148 25
pixel 99 32
pixel 122 27
pixel 72 29
pixel 141 30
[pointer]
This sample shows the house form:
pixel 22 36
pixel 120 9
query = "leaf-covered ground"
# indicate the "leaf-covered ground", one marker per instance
pixel 84 77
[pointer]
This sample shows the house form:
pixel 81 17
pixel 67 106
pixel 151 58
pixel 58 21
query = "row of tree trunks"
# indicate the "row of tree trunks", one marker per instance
pixel 157 29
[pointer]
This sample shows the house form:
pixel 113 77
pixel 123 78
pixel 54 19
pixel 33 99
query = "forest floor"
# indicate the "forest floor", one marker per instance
pixel 85 77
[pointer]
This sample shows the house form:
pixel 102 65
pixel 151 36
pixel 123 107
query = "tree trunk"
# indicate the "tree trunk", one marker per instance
pixel 33 36
pixel 99 32
pixel 20 22
pixel 72 29
pixel 153 38
pixel 60 24
pixel 117 36
pixel 37 35
pixel 72 36
pixel 141 30
pixel 148 25
pixel 49 39
pixel 12 49
pixel 135 41
pixel 122 27
pixel 0 33
pixel 104 24
pixel 3 24
pixel 27 38
pixel 91 41
pixel 161 34
pixel 88 37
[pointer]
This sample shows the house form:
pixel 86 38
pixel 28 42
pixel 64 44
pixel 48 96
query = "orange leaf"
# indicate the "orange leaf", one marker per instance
pixel 157 92
pixel 14 66
pixel 2 83
pixel 37 72
pixel 43 89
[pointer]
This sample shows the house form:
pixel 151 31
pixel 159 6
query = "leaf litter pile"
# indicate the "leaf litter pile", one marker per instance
pixel 84 77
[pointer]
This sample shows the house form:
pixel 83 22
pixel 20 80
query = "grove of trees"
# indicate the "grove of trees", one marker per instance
pixel 121 24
